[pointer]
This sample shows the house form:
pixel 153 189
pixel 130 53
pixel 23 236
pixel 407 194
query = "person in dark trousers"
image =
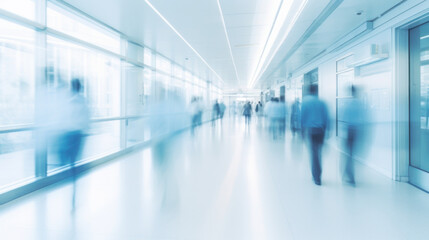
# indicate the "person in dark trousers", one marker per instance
pixel 295 117
pixel 247 112
pixel 222 109
pixel 196 111
pixel 314 120
pixel 216 112
pixel 258 109
pixel 282 116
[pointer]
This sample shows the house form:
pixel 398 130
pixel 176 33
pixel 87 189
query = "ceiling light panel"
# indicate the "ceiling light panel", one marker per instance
pixel 280 20
pixel 198 23
pixel 248 23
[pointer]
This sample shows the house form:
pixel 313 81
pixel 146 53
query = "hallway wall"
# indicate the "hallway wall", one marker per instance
pixel 376 78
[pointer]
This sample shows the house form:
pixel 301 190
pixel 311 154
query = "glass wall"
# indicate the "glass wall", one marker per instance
pixel 17 101
pixel 100 73
pixel 129 90
pixel 64 21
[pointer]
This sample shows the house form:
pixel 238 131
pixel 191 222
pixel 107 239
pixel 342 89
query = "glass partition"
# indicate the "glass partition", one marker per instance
pixel 100 73
pixel 69 23
pixel 127 104
pixel 17 74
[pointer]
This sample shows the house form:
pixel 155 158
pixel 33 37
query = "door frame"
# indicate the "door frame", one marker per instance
pixel 402 170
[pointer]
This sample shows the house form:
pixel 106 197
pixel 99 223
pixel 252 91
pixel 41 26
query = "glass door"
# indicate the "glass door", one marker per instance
pixel 419 101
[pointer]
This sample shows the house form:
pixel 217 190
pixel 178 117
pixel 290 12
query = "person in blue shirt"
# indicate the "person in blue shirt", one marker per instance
pixel 314 121
pixel 247 112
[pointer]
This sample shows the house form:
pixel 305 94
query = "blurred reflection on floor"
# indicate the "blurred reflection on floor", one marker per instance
pixel 228 181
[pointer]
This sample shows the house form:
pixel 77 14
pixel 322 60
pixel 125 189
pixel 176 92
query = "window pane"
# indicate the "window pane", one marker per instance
pixel 188 76
pixel 16 157
pixel 163 64
pixel 177 71
pixel 16 74
pixel 99 73
pixel 78 27
pixel 148 78
pixel 134 52
pixel 134 87
pixel 23 8
pixel 148 56
pixel 103 138
pixel 162 82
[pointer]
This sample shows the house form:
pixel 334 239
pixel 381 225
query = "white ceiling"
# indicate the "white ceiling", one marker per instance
pixel 233 53
pixel 341 21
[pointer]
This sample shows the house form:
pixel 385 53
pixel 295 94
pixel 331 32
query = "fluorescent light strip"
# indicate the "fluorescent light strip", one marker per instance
pixel 229 42
pixel 295 18
pixel 180 35
pixel 301 8
pixel 266 41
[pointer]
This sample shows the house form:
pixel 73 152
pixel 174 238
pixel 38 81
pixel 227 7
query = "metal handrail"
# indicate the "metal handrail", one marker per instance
pixel 31 127
pixel 17 128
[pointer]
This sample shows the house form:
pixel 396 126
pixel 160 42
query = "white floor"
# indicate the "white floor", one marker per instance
pixel 226 182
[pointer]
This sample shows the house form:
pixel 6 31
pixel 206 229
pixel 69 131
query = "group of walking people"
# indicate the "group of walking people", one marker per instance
pixel 315 126
pixel 311 120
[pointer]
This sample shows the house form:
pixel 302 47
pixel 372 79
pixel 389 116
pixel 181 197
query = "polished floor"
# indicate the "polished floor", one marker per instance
pixel 228 181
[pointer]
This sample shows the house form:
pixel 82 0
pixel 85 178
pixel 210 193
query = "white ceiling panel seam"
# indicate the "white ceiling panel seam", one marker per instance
pixel 180 35
pixel 229 42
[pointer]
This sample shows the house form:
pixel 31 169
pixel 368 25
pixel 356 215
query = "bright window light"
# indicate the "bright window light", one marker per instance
pixel 23 8
pixel 163 64
pixel 78 27
pixel 147 56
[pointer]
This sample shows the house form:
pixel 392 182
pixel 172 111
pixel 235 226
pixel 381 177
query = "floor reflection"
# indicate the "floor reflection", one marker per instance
pixel 228 181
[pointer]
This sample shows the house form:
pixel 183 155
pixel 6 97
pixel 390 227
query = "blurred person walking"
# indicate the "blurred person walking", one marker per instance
pixel 216 112
pixel 232 109
pixel 222 109
pixel 74 122
pixel 355 118
pixel 259 109
pixel 314 121
pixel 196 112
pixel 247 112
pixel 295 117
pixel 276 113
pixel 269 112
pixel 281 116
